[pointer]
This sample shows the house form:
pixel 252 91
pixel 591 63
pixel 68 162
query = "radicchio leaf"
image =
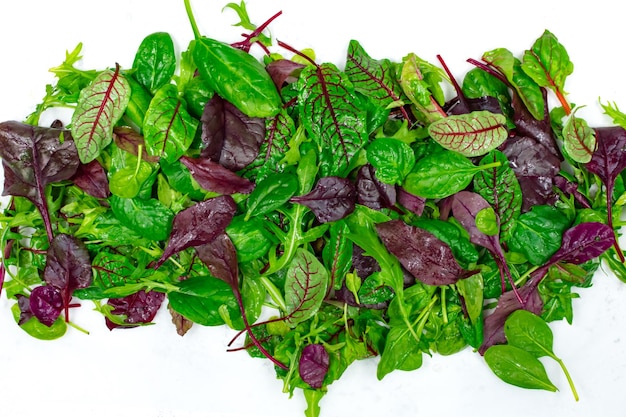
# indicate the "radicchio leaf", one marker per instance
pixel 471 134
pixel 313 365
pixel 92 179
pixel 199 224
pixel 139 308
pixel 607 162
pixel 229 136
pixel 46 304
pixel 331 199
pixel 68 267
pixel 214 177
pixel 305 287
pixel 33 157
pixel 373 193
pixel 426 257
pixel 100 106
pixel 330 113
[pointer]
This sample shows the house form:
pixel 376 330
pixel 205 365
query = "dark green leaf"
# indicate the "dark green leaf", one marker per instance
pixel 155 61
pixel 518 367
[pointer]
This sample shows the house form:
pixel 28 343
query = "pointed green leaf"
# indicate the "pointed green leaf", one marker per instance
pixel 530 332
pixel 518 367
pixel 331 114
pixel 579 140
pixel 305 287
pixel 100 106
pixel 472 134
pixel 168 127
pixel 155 61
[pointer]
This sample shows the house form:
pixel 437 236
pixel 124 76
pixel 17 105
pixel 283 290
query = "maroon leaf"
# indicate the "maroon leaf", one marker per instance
pixel 230 137
pixel 282 71
pixel 214 177
pixel 46 304
pixel 220 257
pixel 313 365
pixel 373 193
pixel 92 179
pixel 583 243
pixel 426 257
pixel 331 199
pixel 411 202
pixel 23 303
pixel 138 308
pixel 129 140
pixel 68 267
pixel 182 324
pixel 199 224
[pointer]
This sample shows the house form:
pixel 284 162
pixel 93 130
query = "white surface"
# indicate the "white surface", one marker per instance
pixel 154 372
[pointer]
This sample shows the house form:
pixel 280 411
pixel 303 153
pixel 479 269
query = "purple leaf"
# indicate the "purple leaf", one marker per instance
pixel 282 71
pixel 411 202
pixel 373 193
pixel 92 179
pixel 129 140
pixel 426 257
pixel 46 304
pixel 23 303
pixel 230 137
pixel 220 257
pixel 331 199
pixel 68 267
pixel 313 365
pixel 138 308
pixel 199 224
pixel 583 243
pixel 214 177
pixel 539 130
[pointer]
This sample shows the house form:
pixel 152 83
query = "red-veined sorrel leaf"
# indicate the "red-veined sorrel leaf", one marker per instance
pixel 579 140
pixel 373 78
pixel 199 224
pixel 214 177
pixel 548 64
pixel 471 134
pixel 100 106
pixel 331 199
pixel 68 267
pixel 139 308
pixel 499 186
pixel 229 136
pixel 331 115
pixel 426 257
pixel 313 365
pixel 168 128
pixel 46 304
pixel 305 287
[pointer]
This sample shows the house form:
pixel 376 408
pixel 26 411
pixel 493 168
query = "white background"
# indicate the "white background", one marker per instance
pixel 154 372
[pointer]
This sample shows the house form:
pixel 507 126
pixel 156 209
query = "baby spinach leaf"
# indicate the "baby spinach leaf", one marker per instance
pixel 518 367
pixel 198 224
pixel 305 287
pixel 392 159
pixel 401 352
pixel 100 106
pixel 529 332
pixel 251 238
pixel 271 193
pixel 168 128
pixel 155 61
pixel 37 329
pixel 148 218
pixel 330 113
pixel 331 199
pixel 237 77
pixel 128 181
pixel 472 134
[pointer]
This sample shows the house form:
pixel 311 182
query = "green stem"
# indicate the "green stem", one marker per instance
pixel 274 293
pixel 77 327
pixel 570 381
pixel 192 20
pixel 444 308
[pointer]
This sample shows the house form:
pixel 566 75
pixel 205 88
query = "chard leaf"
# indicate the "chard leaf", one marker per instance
pixel 373 78
pixel 136 309
pixel 92 179
pixel 168 128
pixel 331 115
pixel 305 287
pixel 199 224
pixel 548 64
pixel 46 303
pixel 426 257
pixel 313 365
pixel 155 61
pixel 229 136
pixel 518 367
pixel 579 140
pixel 471 134
pixel 373 193
pixel 214 177
pixel 272 154
pixel 100 106
pixel 420 82
pixel 499 186
pixel 331 199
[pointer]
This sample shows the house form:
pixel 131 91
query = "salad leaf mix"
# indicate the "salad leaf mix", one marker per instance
pixel 367 212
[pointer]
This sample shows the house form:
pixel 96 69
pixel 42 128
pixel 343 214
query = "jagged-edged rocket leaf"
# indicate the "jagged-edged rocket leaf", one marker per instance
pixel 100 106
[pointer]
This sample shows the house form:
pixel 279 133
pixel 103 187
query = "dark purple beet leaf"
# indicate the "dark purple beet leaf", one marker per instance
pixel 46 304
pixel 214 177
pixel 26 313
pixel 411 202
pixel 373 193
pixel 583 243
pixel 282 71
pixel 331 199
pixel 313 365
pixel 230 137
pixel 538 130
pixel 426 257
pixel 68 267
pixel 92 179
pixel 139 308
pixel 199 224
